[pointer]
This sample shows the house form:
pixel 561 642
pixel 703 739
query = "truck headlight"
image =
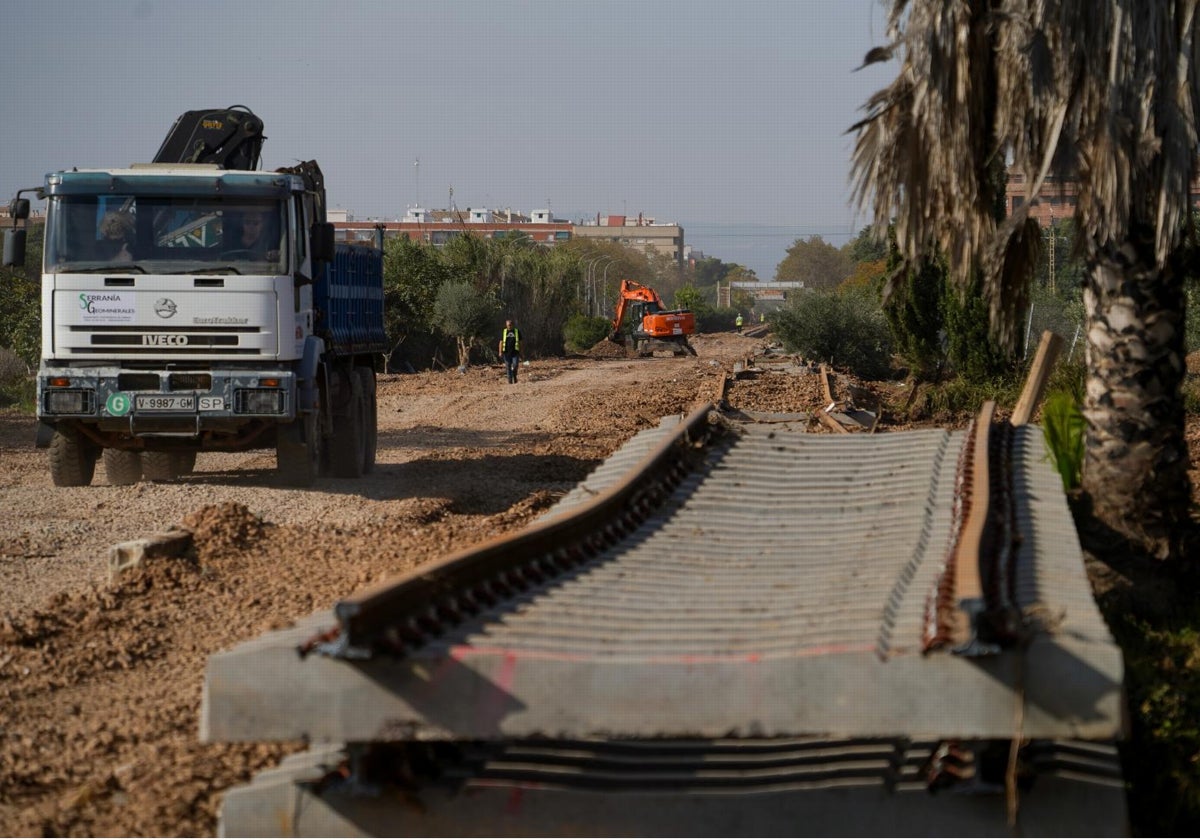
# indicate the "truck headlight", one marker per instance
pixel 73 401
pixel 258 401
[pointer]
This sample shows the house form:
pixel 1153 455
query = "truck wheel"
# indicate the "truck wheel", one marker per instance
pixel 122 466
pixel 185 462
pixel 298 451
pixel 72 459
pixel 346 456
pixel 160 466
pixel 370 418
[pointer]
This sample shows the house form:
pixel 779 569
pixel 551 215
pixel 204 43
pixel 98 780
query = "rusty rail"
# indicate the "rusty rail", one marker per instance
pixel 400 614
pixel 970 608
pixel 972 605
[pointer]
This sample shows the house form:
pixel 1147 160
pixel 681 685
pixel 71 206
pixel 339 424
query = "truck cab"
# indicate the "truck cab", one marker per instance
pixel 187 307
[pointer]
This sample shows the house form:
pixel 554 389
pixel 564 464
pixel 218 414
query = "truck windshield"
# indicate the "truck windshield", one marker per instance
pixel 165 235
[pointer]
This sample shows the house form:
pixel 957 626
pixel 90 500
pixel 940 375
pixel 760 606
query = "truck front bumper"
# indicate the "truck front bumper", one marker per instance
pixel 164 402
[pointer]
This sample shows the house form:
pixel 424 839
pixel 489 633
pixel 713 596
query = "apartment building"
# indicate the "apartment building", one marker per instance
pixel 1057 198
pixel 437 227
pixel 640 233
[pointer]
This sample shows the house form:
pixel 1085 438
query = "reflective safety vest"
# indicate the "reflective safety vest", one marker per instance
pixel 739 320
pixel 516 338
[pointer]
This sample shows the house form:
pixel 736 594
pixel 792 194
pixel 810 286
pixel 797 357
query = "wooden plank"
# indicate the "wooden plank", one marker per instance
pixel 825 386
pixel 831 423
pixel 1035 384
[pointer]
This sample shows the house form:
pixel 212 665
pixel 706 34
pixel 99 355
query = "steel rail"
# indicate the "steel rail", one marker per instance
pixel 402 613
pixel 972 605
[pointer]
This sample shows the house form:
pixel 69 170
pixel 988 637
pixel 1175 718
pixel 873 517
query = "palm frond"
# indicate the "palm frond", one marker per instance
pixel 1104 92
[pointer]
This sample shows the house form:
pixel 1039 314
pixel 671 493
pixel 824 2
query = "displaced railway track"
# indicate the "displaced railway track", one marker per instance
pixel 728 628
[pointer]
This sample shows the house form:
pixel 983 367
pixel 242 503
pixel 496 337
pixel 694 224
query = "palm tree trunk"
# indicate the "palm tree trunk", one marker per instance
pixel 1135 467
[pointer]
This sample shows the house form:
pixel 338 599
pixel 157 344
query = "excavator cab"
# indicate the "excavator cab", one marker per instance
pixel 639 309
pixel 653 326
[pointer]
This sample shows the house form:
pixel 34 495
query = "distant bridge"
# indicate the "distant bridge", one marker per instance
pixel 762 290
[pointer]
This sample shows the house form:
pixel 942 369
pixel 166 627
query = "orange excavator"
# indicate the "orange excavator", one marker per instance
pixel 654 326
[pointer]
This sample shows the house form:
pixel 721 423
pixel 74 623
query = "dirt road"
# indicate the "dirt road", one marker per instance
pixel 100 685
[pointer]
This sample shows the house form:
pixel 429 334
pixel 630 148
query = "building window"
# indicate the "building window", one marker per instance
pixel 1018 200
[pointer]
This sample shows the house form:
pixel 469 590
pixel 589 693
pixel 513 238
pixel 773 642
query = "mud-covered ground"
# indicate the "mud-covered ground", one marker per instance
pixel 100 682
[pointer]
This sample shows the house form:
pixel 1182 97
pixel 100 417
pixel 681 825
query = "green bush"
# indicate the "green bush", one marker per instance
pixel 972 351
pixel 722 319
pixel 916 319
pixel 582 332
pixel 1063 426
pixel 1191 323
pixel 1068 376
pixel 1191 395
pixel 841 328
pixel 962 397
pixel 17 385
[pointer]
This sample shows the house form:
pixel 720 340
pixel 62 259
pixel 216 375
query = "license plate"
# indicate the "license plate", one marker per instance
pixel 154 402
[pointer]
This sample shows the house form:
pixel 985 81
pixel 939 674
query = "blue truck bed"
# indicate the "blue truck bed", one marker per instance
pixel 348 296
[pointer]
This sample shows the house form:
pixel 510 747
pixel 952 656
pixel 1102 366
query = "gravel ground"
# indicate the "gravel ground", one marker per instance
pixel 100 684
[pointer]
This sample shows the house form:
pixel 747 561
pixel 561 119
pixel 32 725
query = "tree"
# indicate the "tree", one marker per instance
pixel 412 275
pixel 689 297
pixel 845 328
pixel 866 275
pixel 710 271
pixel 1105 94
pixel 462 312
pixel 20 298
pixel 816 263
pixel 866 247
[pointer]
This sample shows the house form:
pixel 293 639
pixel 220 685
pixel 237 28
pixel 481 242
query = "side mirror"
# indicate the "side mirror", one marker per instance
pixel 322 242
pixel 14 245
pixel 18 208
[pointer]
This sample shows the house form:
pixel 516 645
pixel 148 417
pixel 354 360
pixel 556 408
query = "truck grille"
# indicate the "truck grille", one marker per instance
pixel 189 382
pixel 137 381
pixel 182 341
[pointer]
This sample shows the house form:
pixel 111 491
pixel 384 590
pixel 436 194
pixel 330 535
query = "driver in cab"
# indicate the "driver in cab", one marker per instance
pixel 253 240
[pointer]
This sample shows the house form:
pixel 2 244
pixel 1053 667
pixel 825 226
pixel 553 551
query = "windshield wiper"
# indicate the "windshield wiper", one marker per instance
pixel 106 268
pixel 220 269
pixel 216 269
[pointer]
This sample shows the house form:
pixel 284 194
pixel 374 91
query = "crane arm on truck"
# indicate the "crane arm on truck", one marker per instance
pixel 232 138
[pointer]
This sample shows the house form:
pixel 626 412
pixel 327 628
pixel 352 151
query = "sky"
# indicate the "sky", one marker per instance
pixel 728 118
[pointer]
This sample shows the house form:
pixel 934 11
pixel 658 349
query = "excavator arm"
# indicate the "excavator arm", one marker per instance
pixel 631 292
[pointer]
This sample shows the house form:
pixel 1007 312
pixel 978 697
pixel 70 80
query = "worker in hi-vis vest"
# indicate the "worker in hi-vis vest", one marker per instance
pixel 510 349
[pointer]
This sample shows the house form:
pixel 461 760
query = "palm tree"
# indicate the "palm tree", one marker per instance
pixel 1101 91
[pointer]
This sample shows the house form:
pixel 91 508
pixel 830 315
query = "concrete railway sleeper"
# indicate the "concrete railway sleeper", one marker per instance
pixel 402 613
pixel 656 656
pixel 407 612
